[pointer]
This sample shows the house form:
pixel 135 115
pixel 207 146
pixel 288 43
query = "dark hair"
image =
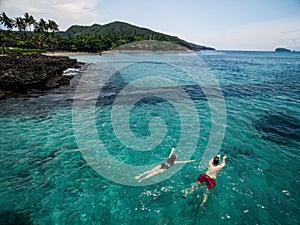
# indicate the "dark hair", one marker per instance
pixel 216 160
pixel 171 159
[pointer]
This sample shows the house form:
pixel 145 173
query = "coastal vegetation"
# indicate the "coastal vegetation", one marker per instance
pixel 26 34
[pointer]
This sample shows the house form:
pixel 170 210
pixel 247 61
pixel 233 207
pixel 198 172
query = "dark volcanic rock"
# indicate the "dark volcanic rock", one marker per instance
pixel 20 73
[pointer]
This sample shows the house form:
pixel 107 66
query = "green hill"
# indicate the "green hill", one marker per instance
pixel 22 36
pixel 122 33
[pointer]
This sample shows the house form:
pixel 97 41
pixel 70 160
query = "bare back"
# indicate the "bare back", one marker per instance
pixel 213 170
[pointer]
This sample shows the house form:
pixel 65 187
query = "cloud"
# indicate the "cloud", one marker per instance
pixel 258 36
pixel 65 13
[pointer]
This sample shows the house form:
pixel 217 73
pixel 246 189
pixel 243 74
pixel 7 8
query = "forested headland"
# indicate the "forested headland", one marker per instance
pixel 27 34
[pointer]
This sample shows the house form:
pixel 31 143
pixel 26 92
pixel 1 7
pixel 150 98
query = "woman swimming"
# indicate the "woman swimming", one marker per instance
pixel 170 161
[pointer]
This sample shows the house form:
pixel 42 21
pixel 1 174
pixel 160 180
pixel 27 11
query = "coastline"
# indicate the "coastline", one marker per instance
pixel 66 53
pixel 143 51
pixel 116 50
pixel 23 72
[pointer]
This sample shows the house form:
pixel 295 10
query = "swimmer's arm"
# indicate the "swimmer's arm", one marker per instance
pixel 210 163
pixel 172 151
pixel 184 162
pixel 223 161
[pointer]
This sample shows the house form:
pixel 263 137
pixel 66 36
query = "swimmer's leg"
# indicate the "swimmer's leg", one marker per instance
pixel 158 170
pixel 147 172
pixel 205 197
pixel 190 190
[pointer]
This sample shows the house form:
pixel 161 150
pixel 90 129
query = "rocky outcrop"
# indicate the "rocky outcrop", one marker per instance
pixel 20 73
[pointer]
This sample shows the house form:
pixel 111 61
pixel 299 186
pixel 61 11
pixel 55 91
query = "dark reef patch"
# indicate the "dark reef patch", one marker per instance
pixel 279 127
pixel 15 218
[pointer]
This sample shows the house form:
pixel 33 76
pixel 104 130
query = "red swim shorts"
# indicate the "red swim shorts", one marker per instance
pixel 210 182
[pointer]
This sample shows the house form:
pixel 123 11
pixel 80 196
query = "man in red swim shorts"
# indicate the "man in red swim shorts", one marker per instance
pixel 210 182
pixel 209 177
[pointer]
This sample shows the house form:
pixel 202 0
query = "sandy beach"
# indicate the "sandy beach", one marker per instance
pixel 65 53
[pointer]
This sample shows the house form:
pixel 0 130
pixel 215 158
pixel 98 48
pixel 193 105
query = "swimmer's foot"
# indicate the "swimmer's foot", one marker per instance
pixel 137 177
pixel 184 193
pixel 202 210
pixel 202 205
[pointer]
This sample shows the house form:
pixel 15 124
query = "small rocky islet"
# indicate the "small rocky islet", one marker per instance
pixel 21 73
pixel 282 50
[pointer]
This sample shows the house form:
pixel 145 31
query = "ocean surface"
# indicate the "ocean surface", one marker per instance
pixel 70 155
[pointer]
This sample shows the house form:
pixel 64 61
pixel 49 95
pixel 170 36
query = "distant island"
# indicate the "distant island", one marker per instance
pixel 282 50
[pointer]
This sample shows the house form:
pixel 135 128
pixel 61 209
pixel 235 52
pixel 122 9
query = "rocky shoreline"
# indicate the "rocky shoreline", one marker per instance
pixel 21 73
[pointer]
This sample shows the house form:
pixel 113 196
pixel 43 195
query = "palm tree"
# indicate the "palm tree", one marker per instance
pixel 1 19
pixel 6 21
pixel 26 19
pixel 20 23
pixel 41 26
pixel 29 20
pixel 52 25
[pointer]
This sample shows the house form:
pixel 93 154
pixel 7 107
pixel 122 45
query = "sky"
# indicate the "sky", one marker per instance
pixel 222 24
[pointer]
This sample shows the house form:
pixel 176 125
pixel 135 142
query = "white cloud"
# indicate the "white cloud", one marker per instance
pixel 258 36
pixel 65 13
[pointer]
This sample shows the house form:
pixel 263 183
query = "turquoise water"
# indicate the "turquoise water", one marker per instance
pixel 45 178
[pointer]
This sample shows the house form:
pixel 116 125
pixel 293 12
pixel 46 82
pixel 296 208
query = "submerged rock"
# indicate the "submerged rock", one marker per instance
pixel 279 127
pixel 15 218
pixel 20 73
